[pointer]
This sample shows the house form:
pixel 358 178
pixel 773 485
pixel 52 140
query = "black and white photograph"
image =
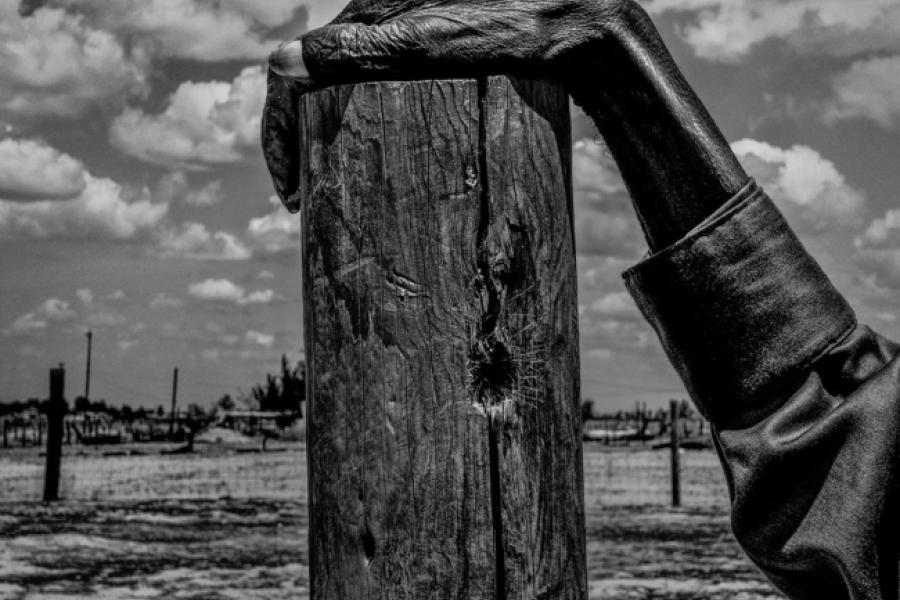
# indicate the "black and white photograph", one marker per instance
pixel 449 300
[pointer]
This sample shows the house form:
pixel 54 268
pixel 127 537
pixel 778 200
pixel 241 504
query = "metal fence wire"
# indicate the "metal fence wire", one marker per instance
pixel 614 476
pixel 638 459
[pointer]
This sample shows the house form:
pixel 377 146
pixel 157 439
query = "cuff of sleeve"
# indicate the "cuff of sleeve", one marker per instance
pixel 741 309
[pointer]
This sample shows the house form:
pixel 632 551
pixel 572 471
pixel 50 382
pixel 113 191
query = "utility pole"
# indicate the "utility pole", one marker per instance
pixel 174 401
pixel 87 375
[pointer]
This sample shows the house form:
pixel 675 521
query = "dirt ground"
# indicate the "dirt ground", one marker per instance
pixel 193 548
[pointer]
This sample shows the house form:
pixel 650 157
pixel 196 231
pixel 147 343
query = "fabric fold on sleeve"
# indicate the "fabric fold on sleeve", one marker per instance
pixel 741 308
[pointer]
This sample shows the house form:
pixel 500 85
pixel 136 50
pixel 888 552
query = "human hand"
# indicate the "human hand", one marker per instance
pixel 427 39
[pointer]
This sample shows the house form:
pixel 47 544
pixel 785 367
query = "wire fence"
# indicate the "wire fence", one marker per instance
pixel 150 472
pixel 614 476
pixel 640 477
pixel 632 459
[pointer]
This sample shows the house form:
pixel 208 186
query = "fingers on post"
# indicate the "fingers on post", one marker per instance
pixel 281 139
pixel 333 54
pixel 354 52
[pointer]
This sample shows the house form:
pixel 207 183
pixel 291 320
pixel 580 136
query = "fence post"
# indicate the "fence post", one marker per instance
pixel 444 420
pixel 6 433
pixel 675 446
pixel 56 409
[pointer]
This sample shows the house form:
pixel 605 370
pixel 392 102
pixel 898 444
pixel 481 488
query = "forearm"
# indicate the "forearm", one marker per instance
pixel 675 162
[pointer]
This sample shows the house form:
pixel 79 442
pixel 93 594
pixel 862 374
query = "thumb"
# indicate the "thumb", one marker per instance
pixel 280 139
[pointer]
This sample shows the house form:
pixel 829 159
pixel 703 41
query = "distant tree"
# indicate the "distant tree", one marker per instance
pixel 284 392
pixel 126 413
pixel 226 403
pixel 587 410
pixel 160 411
pixel 293 386
pixel 268 395
pixel 195 411
pixel 100 406
pixel 82 404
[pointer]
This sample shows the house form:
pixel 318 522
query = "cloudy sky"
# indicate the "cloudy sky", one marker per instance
pixel 134 201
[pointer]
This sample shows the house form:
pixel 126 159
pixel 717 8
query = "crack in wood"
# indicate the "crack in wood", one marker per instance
pixel 491 366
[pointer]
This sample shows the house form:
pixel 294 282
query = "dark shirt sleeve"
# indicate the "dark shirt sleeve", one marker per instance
pixel 803 400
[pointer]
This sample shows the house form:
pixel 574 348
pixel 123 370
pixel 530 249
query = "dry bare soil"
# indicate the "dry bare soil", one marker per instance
pixel 100 546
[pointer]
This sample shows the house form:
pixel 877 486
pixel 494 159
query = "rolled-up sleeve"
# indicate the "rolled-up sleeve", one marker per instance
pixel 803 400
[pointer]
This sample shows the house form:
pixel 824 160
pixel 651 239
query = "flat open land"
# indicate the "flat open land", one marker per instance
pixel 115 538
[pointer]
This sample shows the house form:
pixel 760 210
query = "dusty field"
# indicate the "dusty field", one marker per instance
pixel 109 542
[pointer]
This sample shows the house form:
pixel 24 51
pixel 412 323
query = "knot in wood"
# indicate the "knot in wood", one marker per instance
pixel 492 371
pixel 499 265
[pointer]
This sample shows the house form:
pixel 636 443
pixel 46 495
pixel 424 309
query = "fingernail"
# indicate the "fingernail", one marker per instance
pixel 287 60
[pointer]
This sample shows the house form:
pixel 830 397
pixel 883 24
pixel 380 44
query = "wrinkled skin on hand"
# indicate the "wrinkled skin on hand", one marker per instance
pixel 675 162
pixel 411 39
pixel 447 38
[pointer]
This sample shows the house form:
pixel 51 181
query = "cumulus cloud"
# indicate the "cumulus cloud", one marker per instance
pixel 725 30
pixel 37 320
pixel 194 241
pixel 61 57
pixel 202 30
pixel 203 124
pixel 605 224
pixel 163 300
pixel 595 171
pixel 103 210
pixel 261 339
pixel 53 62
pixel 175 187
pixel 277 231
pixel 85 295
pixel 224 290
pixel 868 89
pixel 806 186
pixel 106 319
pixel 616 304
pixel 32 170
pixel 209 195
pixel 878 250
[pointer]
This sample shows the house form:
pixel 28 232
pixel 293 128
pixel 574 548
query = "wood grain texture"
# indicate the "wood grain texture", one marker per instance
pixel 440 317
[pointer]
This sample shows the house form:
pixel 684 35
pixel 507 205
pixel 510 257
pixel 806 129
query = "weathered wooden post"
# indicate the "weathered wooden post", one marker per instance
pixel 56 410
pixel 675 437
pixel 441 324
